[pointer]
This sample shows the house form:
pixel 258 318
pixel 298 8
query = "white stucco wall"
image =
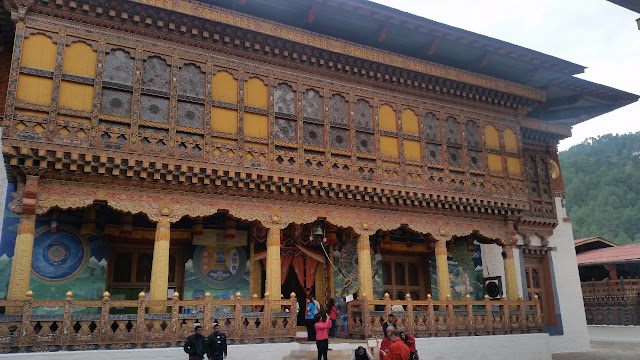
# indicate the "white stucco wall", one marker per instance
pixel 565 269
pixel 497 347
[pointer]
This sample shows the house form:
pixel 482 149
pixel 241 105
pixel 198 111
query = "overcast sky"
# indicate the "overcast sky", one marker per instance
pixel 594 33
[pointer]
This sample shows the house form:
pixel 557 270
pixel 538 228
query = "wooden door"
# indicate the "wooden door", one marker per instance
pixel 538 276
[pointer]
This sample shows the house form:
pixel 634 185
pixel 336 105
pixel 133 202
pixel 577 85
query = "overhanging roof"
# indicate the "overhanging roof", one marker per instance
pixel 613 255
pixel 570 100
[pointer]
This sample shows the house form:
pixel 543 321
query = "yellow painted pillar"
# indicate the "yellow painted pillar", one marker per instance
pixel 365 275
pixel 21 266
pixel 160 265
pixel 273 286
pixel 442 270
pixel 510 275
pixel 255 274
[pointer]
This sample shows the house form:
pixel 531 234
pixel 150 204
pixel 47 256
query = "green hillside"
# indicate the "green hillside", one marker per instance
pixel 602 180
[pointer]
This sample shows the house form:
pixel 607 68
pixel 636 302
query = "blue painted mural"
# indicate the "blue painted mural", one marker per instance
pixel 220 271
pixel 465 272
pixel 62 259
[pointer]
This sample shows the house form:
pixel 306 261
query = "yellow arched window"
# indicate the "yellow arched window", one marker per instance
pixel 511 146
pixel 492 140
pixel 256 95
pixel 79 60
pixel 224 88
pixel 38 52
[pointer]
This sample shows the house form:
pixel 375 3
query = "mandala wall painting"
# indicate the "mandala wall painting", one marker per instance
pixel 220 268
pixel 58 255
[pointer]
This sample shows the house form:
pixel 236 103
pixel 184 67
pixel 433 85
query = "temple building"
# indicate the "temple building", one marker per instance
pixel 321 148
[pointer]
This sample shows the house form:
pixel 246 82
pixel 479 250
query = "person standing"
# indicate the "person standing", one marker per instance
pixel 322 336
pixel 385 345
pixel 411 343
pixel 309 319
pixel 333 316
pixel 217 344
pixel 398 349
pixel 391 321
pixel 196 345
pixel 344 317
pixel 317 305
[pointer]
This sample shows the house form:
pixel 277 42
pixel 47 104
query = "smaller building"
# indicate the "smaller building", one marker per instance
pixel 609 275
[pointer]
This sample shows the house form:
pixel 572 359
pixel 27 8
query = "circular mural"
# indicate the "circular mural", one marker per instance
pixel 57 255
pixel 219 267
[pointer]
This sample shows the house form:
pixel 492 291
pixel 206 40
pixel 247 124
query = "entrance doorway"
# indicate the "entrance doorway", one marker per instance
pixel 291 284
pixel 536 269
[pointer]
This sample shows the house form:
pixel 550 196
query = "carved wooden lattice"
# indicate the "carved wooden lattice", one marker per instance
pixel 340 139
pixel 452 130
pixel 362 114
pixel 312 105
pixel 284 99
pixel 313 134
pixel 431 129
pixel 434 153
pixel 191 81
pixel 471 134
pixel 338 110
pixel 285 130
pixel 364 143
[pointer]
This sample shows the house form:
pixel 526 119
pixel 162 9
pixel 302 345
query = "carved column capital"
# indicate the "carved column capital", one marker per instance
pixel 18 8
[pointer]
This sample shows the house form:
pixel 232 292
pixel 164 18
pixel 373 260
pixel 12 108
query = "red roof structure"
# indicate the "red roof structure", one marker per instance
pixel 591 243
pixel 615 254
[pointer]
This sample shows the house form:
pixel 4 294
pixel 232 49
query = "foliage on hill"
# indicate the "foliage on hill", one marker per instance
pixel 602 180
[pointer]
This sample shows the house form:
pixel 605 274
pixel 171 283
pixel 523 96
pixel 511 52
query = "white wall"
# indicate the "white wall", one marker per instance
pixel 497 347
pixel 565 269
pixel 492 264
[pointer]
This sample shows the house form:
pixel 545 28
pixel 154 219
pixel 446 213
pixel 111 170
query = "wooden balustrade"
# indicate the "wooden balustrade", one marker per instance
pixel 612 302
pixel 430 317
pixel 99 327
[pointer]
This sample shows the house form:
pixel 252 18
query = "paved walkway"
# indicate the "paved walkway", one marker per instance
pixel 605 350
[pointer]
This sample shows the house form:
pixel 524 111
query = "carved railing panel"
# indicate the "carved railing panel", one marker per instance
pixel 612 302
pixel 147 324
pixel 448 318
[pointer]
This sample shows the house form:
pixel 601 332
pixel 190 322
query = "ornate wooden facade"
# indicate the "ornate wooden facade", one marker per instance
pixel 198 109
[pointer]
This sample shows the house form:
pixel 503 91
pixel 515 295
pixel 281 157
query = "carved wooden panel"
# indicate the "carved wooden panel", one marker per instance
pixel 431 129
pixel 532 170
pixel 434 153
pixel 364 143
pixel 451 130
pixel 474 160
pixel 284 99
pixel 191 81
pixel 156 74
pixel 340 139
pixel 363 114
pixel 285 130
pixel 313 134
pixel 118 67
pixel 543 170
pixel 312 104
pixel 154 108
pixel 338 110
pixel 190 115
pixel 472 134
pixel 454 156
pixel 116 102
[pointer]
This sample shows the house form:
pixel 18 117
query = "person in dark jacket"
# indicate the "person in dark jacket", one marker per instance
pixel 217 344
pixel 196 345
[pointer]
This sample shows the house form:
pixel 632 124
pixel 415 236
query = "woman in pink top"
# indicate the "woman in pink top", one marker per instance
pixel 322 336
pixel 333 315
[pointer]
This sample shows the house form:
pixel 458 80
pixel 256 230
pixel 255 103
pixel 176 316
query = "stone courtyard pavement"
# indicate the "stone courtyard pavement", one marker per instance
pixel 610 343
pixel 605 350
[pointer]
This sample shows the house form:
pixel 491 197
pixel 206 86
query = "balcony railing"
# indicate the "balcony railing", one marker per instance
pixel 96 324
pixel 149 324
pixel 612 302
pixel 447 317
